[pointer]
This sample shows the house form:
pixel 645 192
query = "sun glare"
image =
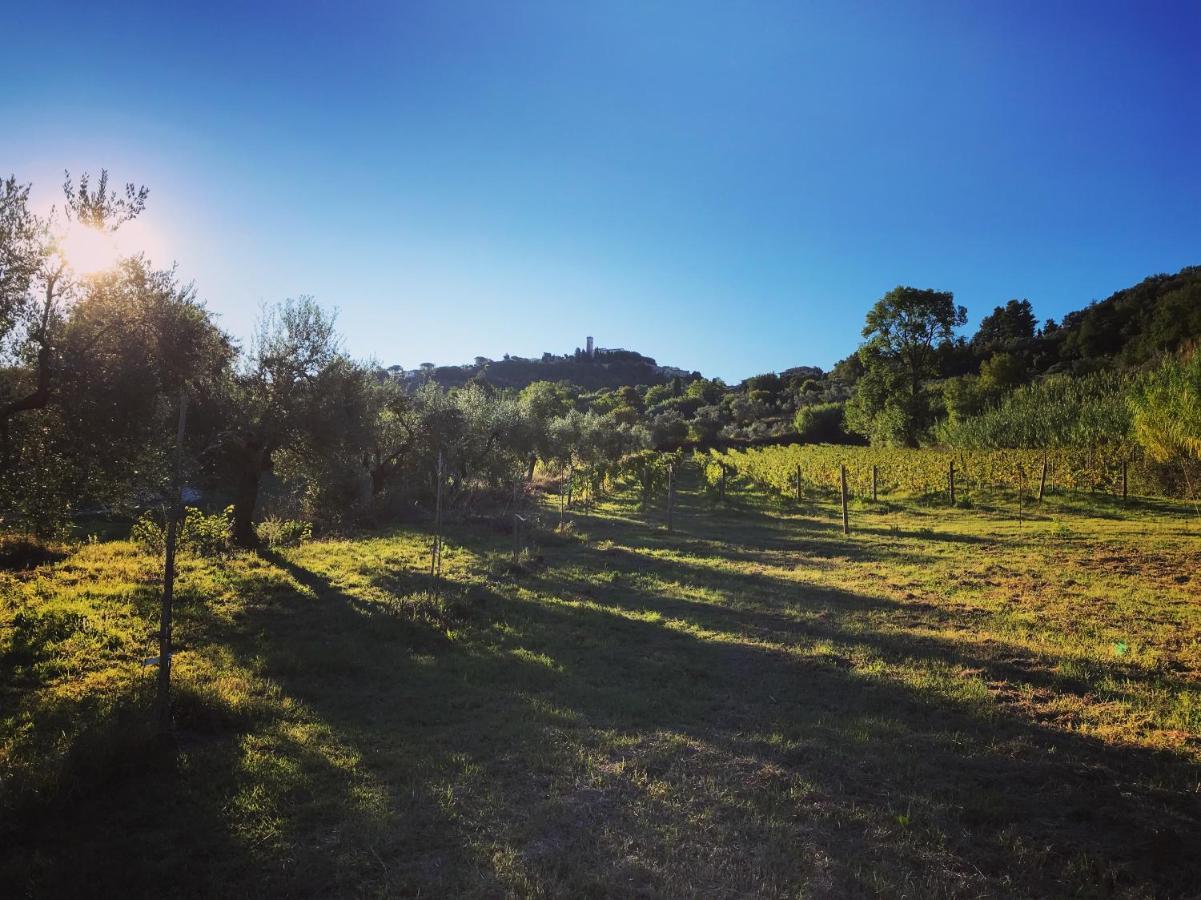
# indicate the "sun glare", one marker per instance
pixel 89 250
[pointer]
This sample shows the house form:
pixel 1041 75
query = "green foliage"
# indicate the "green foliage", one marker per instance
pixel 546 400
pixel 1057 412
pixel 648 469
pixel 963 397
pixel 706 426
pixel 668 430
pixel 314 685
pixel 123 348
pixel 1166 410
pixel 1135 325
pixel 279 533
pixel 891 405
pixel 886 410
pixel 199 534
pixel 712 468
pixel 93 380
pixel 22 248
pixel 1001 373
pixel 1005 327
pixel 821 423
pixel 657 394
pixel 40 494
pixel 709 391
pixel 766 386
pixel 921 472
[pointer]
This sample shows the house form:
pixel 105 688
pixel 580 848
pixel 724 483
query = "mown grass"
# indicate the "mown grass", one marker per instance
pixel 945 704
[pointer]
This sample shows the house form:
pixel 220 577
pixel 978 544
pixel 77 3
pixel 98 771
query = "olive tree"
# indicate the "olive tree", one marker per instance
pixel 38 282
pixel 273 399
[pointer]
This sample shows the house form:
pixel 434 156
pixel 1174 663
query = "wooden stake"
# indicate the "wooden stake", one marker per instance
pixel 798 484
pixel 1042 481
pixel 1124 481
pixel 562 499
pixel 951 480
pixel 723 481
pixel 516 525
pixel 842 477
pixel 173 518
pixel 875 474
pixel 436 550
pixel 671 495
pixel 1021 487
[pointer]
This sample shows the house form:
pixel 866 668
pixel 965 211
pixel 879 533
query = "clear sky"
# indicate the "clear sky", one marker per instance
pixel 724 186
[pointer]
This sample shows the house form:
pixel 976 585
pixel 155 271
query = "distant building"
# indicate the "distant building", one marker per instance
pixel 590 350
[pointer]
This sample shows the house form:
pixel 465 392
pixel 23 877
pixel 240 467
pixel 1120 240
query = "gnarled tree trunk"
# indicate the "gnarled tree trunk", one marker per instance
pixel 36 399
pixel 246 498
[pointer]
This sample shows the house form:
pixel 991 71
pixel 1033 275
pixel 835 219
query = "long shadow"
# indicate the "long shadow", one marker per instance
pixel 1006 664
pixel 983 782
pixel 589 735
pixel 705 532
pixel 767 607
pixel 159 820
pixel 1111 789
pixel 142 820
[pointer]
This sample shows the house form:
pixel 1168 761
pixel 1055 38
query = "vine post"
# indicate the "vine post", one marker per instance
pixel 875 476
pixel 1042 480
pixel 798 484
pixel 842 477
pixel 436 549
pixel 1021 490
pixel 172 538
pixel 671 494
pixel 516 524
pixel 951 481
pixel 1125 484
pixel 562 500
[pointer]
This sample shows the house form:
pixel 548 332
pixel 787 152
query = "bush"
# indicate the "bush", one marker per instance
pixel 821 423
pixel 1166 408
pixel 277 533
pixel 199 534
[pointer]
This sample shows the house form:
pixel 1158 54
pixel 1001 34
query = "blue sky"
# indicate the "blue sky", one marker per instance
pixel 724 186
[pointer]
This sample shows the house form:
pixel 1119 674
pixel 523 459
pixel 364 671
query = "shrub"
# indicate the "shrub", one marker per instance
pixel 277 533
pixel 199 534
pixel 822 423
pixel 1166 409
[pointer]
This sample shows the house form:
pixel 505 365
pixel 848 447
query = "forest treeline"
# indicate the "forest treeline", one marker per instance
pixel 117 386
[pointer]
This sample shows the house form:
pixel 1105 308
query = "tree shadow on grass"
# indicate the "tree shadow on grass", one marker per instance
pixel 983 775
pixel 763 607
pixel 256 795
pixel 570 724
pixel 627 723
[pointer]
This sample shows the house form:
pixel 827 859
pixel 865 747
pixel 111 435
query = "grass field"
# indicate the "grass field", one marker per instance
pixel 945 704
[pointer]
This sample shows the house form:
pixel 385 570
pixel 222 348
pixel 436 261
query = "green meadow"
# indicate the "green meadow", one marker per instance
pixel 946 703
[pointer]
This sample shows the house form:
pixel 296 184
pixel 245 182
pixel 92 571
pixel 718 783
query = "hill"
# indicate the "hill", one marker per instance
pixel 1160 314
pixel 602 369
